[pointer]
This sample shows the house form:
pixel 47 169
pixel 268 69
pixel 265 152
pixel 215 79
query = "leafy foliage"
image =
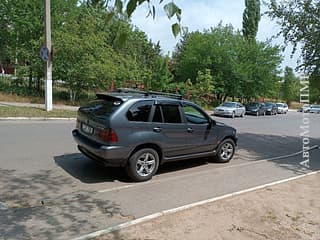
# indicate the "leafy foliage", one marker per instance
pixel 93 47
pixel 239 68
pixel 170 8
pixel 290 86
pixel 300 25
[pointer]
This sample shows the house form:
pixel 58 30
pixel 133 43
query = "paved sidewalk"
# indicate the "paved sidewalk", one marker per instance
pixel 37 105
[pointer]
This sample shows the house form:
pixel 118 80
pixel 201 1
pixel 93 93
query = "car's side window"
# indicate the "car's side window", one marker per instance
pixel 157 117
pixel 139 112
pixel 194 116
pixel 171 113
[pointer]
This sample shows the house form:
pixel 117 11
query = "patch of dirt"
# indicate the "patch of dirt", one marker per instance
pixel 285 211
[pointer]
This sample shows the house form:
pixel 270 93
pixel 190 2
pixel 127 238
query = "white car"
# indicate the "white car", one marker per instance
pixel 306 108
pixel 282 108
pixel 230 109
pixel 314 109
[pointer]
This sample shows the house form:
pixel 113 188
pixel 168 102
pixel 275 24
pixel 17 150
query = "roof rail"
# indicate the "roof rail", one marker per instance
pixel 148 93
pixel 171 95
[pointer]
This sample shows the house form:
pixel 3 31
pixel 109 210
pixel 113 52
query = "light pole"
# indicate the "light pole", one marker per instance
pixel 48 71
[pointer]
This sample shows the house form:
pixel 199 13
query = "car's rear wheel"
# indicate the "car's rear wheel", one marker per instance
pixel 225 151
pixel 143 164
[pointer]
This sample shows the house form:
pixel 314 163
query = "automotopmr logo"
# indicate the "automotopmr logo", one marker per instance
pixel 305 123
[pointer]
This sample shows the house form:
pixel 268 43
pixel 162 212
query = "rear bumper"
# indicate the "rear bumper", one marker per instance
pixel 102 154
pixel 251 112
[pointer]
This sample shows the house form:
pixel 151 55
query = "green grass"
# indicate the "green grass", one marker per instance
pixel 11 111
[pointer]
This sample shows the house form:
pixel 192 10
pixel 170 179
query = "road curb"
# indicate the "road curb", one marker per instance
pixel 35 118
pixel 185 207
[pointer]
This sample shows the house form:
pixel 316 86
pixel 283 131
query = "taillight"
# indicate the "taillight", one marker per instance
pixel 108 135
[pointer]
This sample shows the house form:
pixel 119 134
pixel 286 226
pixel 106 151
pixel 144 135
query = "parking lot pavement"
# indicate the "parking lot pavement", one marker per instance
pixel 51 191
pixel 289 210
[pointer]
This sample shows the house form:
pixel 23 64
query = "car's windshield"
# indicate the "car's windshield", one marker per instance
pixel 280 105
pixel 228 104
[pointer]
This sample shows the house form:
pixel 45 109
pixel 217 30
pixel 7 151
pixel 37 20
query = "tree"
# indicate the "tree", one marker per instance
pixel 290 86
pixel 22 32
pixel 204 85
pixel 88 53
pixel 299 25
pixel 250 19
pixel 239 68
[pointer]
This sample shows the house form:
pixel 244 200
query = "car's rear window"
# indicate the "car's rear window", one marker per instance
pixel 228 104
pixel 101 108
pixel 253 104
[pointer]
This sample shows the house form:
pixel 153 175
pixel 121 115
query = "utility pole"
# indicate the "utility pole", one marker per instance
pixel 48 72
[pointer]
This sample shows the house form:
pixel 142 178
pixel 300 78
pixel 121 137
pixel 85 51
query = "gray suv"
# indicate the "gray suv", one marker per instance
pixel 141 130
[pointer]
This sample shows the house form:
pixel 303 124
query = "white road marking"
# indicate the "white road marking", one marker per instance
pixel 202 172
pixel 179 209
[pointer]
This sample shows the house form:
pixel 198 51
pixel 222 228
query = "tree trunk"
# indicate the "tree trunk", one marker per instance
pixel 224 98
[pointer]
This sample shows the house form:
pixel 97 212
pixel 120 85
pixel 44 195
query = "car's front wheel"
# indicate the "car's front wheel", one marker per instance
pixel 143 164
pixel 225 151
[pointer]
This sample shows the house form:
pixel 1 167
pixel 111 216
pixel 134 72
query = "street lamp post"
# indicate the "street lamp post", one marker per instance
pixel 48 71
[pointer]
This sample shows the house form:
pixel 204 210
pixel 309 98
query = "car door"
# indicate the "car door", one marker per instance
pixel 169 129
pixel 201 135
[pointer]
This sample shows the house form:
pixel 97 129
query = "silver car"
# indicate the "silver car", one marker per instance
pixel 141 130
pixel 314 109
pixel 230 109
pixel 282 108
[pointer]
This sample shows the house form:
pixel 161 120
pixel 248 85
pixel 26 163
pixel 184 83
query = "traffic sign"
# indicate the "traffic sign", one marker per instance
pixel 44 53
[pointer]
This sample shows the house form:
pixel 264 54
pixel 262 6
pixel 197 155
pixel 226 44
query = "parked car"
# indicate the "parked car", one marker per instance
pixel 270 108
pixel 314 109
pixel 282 108
pixel 230 109
pixel 255 108
pixel 142 130
pixel 306 108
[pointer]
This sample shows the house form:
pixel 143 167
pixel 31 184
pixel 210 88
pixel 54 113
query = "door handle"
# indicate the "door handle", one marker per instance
pixel 157 129
pixel 189 130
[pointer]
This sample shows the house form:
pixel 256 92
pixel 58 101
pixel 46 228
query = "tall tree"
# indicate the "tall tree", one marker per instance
pixel 250 19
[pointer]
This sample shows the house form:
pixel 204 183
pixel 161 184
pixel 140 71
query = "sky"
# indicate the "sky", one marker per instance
pixel 200 15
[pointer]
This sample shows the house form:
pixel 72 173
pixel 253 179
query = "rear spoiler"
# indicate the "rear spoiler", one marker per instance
pixel 108 97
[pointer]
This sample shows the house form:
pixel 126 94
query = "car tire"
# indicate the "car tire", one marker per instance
pixel 143 164
pixel 225 151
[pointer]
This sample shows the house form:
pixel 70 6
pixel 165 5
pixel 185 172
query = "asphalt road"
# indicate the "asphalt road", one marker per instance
pixel 48 190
